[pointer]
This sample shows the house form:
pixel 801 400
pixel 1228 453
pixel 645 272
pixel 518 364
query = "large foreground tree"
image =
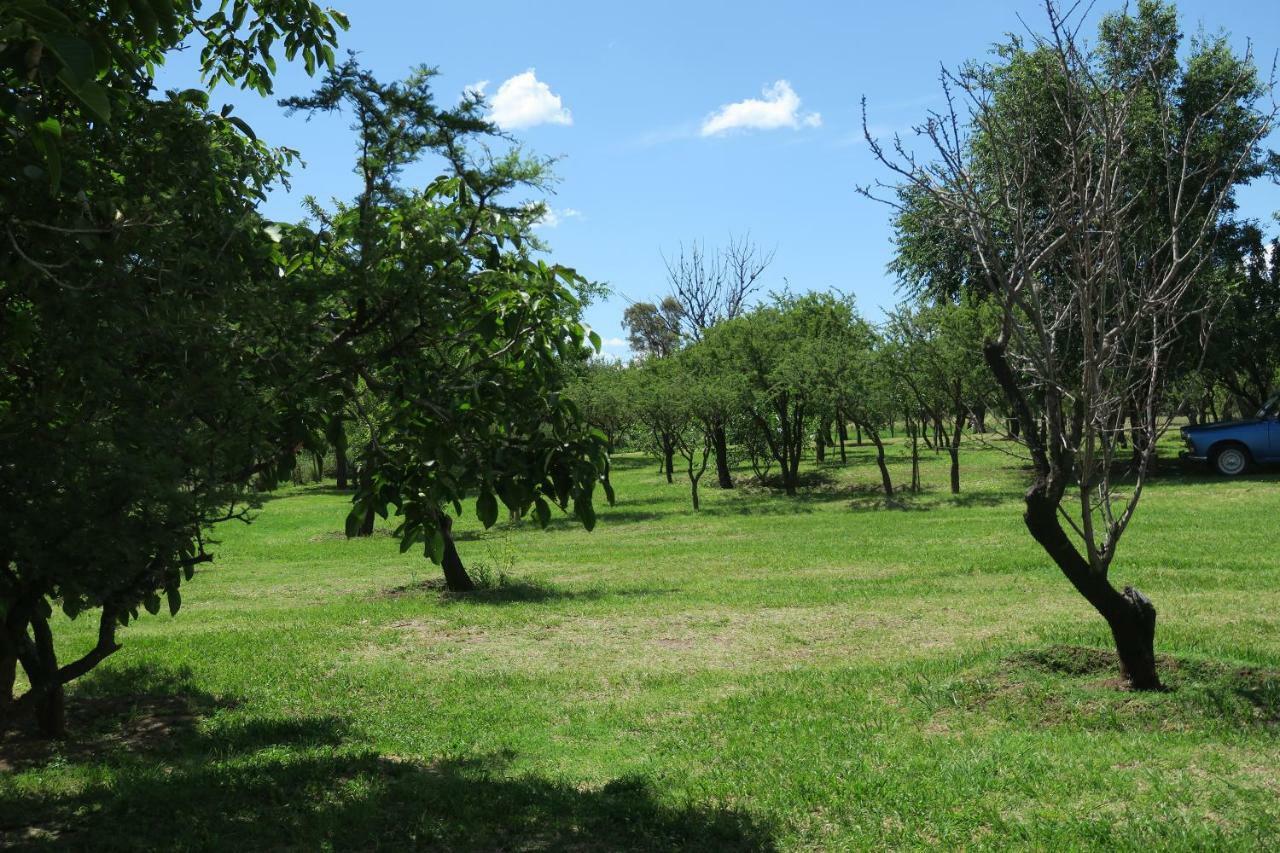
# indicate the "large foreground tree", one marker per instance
pixel 1090 186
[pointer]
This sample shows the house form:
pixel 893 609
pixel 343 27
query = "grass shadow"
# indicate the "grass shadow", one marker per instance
pixel 240 780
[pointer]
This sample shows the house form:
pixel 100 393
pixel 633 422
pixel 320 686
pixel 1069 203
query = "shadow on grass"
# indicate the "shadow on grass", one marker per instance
pixel 1196 690
pixel 507 590
pixel 250 782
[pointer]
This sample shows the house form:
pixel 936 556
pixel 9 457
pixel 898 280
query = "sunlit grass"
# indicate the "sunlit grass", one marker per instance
pixel 829 671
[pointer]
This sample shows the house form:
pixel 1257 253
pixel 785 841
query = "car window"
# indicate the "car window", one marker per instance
pixel 1270 407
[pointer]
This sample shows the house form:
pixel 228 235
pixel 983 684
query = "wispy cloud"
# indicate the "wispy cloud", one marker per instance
pixel 553 218
pixel 778 108
pixel 523 101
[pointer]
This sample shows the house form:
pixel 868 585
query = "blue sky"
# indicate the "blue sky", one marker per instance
pixel 691 120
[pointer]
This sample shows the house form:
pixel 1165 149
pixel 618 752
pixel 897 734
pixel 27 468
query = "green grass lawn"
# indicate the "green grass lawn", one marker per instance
pixel 823 672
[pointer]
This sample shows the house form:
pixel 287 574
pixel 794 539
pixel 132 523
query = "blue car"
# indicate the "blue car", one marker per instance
pixel 1232 446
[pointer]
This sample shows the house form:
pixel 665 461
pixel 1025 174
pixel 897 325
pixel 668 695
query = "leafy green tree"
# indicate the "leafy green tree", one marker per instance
pixel 147 349
pixel 434 304
pixel 1244 348
pixel 654 330
pixel 781 352
pixel 940 348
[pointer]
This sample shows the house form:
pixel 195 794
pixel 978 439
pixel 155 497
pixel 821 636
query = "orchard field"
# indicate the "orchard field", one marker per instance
pixel 830 671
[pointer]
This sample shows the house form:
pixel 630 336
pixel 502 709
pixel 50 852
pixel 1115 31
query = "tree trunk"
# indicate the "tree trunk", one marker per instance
pixel 884 469
pixel 820 445
pixel 51 704
pixel 693 487
pixel 914 431
pixel 1130 615
pixel 842 433
pixel 955 452
pixel 340 467
pixel 8 676
pixel 668 457
pixel 721 442
pixel 456 578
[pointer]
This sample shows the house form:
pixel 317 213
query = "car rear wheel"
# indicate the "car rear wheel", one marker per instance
pixel 1231 461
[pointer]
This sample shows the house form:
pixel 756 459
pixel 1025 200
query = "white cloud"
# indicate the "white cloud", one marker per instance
pixel 476 88
pixel 524 101
pixel 615 343
pixel 780 107
pixel 553 218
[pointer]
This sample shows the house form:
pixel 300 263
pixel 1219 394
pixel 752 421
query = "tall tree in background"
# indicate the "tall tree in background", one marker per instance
pixel 653 331
pixel 1091 185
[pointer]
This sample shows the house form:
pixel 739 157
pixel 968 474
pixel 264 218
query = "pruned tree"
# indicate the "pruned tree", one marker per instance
pixel 1091 184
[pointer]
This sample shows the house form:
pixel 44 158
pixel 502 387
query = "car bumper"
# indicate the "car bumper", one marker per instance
pixel 1188 456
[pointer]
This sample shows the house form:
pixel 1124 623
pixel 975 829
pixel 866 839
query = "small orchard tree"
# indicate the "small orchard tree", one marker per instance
pixel 451 341
pixel 941 365
pixel 1090 185
pixel 603 395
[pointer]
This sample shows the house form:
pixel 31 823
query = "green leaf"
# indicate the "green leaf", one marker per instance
pixel 541 512
pixel 151 601
pixel 586 512
pixel 76 56
pixel 595 340
pixel 353 521
pixel 434 549
pixel 94 97
pixel 487 508
pixel 175 600
pixel 244 127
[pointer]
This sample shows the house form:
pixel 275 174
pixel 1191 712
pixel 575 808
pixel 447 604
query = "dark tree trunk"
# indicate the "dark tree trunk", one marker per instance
pixel 8 676
pixel 340 467
pixel 885 480
pixel 456 578
pixel 1130 615
pixel 668 457
pixel 820 445
pixel 857 434
pixel 980 418
pixel 51 703
pixel 954 449
pixel 842 433
pixel 721 442
pixel 914 431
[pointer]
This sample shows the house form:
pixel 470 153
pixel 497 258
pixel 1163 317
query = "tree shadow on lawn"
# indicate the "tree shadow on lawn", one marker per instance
pixel 238 780
pixel 1081 686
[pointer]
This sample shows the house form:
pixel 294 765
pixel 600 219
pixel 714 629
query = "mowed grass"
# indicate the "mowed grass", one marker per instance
pixel 822 672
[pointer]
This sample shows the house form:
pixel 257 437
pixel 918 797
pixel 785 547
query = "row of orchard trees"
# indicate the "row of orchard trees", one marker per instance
pixel 791 377
pixel 165 350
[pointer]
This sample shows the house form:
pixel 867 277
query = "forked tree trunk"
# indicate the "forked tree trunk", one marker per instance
pixel 51 703
pixel 721 442
pixel 456 578
pixel 1130 615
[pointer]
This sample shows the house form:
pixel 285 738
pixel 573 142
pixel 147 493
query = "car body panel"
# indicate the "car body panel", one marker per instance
pixel 1260 435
